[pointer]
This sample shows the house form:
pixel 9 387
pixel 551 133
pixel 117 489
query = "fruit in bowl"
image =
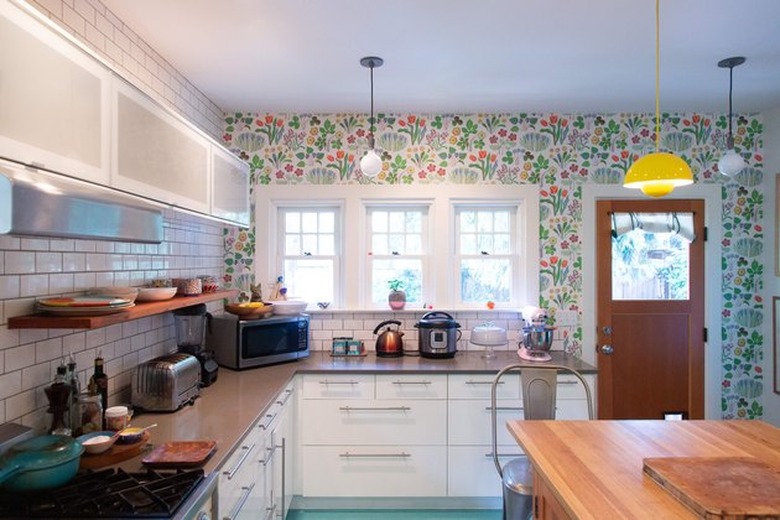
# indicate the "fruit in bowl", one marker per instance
pixel 247 310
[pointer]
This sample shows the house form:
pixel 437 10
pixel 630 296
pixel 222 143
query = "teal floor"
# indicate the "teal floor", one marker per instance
pixel 394 514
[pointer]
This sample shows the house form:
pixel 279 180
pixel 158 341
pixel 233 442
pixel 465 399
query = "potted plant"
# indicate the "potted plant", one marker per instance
pixel 397 296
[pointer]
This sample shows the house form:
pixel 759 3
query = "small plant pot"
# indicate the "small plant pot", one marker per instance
pixel 397 300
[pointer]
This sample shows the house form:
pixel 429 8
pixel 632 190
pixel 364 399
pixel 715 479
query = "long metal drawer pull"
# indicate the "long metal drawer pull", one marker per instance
pixel 230 474
pixel 513 455
pixel 271 512
pixel 470 382
pixel 568 382
pixel 240 504
pixel 288 394
pixel 270 420
pixel 326 382
pixel 506 408
pixel 348 455
pixel 271 451
pixel 412 382
pixel 375 409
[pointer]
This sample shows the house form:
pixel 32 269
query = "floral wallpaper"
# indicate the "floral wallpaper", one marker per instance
pixel 558 152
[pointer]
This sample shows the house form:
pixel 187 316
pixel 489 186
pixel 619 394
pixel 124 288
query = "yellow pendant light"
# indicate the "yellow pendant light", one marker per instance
pixel 658 173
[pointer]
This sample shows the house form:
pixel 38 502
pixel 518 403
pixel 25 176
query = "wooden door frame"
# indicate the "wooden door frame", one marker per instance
pixel 711 194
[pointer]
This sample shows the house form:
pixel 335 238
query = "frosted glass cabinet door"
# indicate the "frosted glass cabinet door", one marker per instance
pixel 54 99
pixel 230 187
pixel 156 154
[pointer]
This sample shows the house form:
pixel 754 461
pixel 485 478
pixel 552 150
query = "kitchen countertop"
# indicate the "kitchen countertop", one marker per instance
pixel 225 410
pixel 594 468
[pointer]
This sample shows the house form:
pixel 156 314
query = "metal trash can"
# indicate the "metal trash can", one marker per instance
pixel 517 485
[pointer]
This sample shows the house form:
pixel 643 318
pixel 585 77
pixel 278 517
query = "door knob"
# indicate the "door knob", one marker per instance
pixel 607 350
pixel 607 330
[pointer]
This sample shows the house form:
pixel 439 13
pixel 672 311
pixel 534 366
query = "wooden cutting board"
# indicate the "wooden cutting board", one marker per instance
pixel 180 454
pixel 115 454
pixel 730 488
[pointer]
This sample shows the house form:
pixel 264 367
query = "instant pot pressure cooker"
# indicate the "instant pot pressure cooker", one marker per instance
pixel 438 335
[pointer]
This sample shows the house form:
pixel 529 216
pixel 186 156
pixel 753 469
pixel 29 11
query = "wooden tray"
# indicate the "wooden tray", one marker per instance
pixel 720 487
pixel 180 454
pixel 115 454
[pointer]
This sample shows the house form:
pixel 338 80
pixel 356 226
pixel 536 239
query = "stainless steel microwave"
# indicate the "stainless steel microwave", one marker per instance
pixel 240 344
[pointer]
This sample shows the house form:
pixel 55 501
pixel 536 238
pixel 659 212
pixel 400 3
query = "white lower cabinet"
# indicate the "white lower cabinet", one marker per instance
pixel 251 480
pixel 472 473
pixel 375 471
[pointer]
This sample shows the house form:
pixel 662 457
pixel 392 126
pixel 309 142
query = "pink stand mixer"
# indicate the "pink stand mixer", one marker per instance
pixel 537 336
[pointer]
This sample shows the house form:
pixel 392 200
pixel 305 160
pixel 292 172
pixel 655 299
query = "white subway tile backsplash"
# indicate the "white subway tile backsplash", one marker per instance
pixel 17 358
pixel 33 285
pixel 10 384
pixel 19 262
pixel 61 283
pixel 10 287
pixel 96 338
pixel 21 404
pixel 48 350
pixel 74 343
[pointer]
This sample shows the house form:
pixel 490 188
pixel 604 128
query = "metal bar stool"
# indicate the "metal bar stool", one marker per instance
pixel 539 386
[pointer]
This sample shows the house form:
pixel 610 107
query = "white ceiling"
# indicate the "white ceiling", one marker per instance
pixel 464 56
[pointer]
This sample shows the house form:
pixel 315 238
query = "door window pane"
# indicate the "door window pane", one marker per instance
pixel 650 266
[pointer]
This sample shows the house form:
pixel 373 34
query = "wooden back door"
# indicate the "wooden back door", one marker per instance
pixel 650 352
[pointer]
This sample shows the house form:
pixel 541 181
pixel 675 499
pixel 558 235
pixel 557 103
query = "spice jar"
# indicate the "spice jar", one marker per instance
pixel 91 413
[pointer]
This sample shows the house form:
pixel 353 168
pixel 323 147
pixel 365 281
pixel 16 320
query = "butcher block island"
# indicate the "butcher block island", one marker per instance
pixel 643 469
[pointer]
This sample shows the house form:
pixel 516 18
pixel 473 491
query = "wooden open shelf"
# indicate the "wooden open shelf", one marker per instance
pixel 141 310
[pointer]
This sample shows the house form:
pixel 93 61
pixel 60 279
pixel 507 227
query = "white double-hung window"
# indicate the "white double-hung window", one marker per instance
pixel 309 251
pixel 486 253
pixel 398 250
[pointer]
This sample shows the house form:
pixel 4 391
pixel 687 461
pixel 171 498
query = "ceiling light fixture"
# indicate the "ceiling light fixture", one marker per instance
pixel 731 163
pixel 657 174
pixel 371 163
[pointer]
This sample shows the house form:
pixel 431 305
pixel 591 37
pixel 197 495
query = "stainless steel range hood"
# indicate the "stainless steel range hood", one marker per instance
pixel 37 203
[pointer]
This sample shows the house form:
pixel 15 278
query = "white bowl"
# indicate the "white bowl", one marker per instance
pixel 98 442
pixel 289 306
pixel 126 293
pixel 155 294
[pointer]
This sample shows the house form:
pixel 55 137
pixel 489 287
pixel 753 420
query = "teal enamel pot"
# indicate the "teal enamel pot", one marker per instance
pixel 42 462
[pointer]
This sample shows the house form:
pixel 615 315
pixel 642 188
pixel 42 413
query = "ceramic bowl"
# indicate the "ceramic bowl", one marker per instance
pixel 130 435
pixel 289 306
pixel 155 294
pixel 249 311
pixel 97 442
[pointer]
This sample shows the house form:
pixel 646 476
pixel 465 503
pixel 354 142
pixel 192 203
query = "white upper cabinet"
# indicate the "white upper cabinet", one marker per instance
pixel 54 99
pixel 230 187
pixel 156 155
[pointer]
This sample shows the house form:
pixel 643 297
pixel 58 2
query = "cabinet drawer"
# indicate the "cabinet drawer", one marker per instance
pixel 374 471
pixel 569 387
pixel 424 386
pixel 472 473
pixel 338 386
pixel 238 473
pixel 353 422
pixel 477 386
pixel 469 421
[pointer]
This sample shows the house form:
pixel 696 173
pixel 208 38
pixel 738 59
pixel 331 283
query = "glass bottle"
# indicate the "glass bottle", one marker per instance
pixel 58 394
pixel 99 381
pixel 73 402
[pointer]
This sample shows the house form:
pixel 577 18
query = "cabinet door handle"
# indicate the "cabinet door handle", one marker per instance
pixel 326 382
pixel 287 394
pixel 240 504
pixel 513 455
pixel 411 382
pixel 271 452
pixel 506 408
pixel 271 512
pixel 375 409
pixel 230 474
pixel 348 455
pixel 267 424
pixel 568 383
pixel 470 382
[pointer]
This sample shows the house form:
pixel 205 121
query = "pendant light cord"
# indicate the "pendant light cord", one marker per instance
pixel 731 85
pixel 371 121
pixel 657 75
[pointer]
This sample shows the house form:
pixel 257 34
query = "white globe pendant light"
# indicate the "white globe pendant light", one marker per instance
pixel 731 163
pixel 371 163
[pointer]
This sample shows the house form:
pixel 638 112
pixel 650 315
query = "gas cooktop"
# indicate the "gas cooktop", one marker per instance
pixel 109 493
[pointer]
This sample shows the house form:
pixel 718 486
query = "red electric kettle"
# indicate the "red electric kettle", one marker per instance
pixel 389 343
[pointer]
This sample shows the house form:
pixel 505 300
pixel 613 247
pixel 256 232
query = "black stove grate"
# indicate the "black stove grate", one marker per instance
pixel 106 494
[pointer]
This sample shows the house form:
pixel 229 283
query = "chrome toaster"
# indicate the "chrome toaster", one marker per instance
pixel 166 383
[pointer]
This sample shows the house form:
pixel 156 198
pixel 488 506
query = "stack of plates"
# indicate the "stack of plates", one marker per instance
pixel 83 305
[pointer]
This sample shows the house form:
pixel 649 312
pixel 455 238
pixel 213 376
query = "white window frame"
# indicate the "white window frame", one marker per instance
pixel 352 278
pixel 513 256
